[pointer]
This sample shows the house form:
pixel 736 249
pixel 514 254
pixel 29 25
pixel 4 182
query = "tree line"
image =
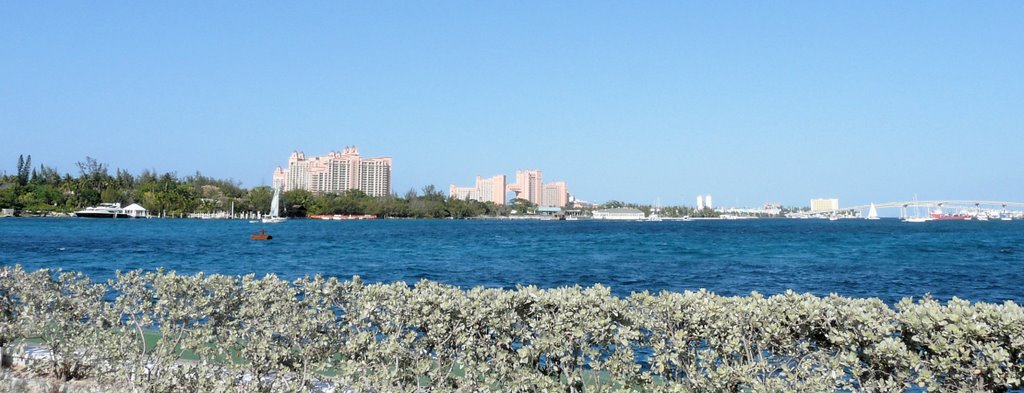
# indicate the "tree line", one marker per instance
pixel 43 189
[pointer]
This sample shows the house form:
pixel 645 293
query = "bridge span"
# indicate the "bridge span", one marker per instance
pixel 953 204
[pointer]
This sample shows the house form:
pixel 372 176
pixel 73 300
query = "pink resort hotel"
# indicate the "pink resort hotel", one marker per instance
pixel 529 185
pixel 336 172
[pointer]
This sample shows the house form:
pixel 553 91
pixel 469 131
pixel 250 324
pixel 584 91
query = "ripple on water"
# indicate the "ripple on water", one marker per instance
pixel 885 259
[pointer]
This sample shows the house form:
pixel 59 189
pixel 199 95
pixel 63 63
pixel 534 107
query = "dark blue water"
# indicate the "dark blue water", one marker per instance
pixel 979 261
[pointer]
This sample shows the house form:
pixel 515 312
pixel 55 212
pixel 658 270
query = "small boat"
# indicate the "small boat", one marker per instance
pixel 872 213
pixel 655 212
pixel 275 207
pixel 260 236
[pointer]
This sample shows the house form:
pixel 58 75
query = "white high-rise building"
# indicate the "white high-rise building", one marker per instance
pixel 707 202
pixel 700 202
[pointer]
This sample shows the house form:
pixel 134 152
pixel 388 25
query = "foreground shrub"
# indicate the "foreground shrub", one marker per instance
pixel 8 322
pixel 963 346
pixel 68 315
pixel 164 332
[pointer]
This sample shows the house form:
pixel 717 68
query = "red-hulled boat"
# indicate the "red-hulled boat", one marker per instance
pixel 261 236
pixel 938 215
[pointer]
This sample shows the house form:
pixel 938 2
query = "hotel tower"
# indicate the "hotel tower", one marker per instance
pixel 335 173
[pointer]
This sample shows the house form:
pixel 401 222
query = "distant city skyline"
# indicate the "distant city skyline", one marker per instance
pixel 866 101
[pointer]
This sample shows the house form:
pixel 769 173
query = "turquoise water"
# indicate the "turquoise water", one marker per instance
pixel 980 261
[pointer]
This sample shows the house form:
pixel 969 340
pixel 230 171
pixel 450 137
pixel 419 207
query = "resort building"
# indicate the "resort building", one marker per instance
pixel 528 186
pixel 491 189
pixel 823 204
pixel 555 194
pixel 620 213
pixel 464 193
pixel 335 173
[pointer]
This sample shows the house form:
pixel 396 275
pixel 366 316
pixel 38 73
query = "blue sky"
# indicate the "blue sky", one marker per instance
pixel 749 101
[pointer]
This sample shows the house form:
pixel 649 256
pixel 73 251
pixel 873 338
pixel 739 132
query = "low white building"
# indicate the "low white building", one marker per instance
pixel 134 211
pixel 619 213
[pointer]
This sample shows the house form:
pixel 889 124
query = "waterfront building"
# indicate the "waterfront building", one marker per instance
pixel 491 189
pixel 528 186
pixel 707 202
pixel 555 194
pixel 620 213
pixel 824 204
pixel 335 173
pixel 700 202
pixel 135 211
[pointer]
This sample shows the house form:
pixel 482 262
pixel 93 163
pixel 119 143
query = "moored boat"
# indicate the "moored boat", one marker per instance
pixel 104 210
pixel 917 213
pixel 938 215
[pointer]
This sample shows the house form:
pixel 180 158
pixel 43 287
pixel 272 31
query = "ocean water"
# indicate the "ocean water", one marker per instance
pixel 978 261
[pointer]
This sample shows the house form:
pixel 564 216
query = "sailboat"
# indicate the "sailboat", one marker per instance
pixel 917 214
pixel 275 207
pixel 872 213
pixel 655 212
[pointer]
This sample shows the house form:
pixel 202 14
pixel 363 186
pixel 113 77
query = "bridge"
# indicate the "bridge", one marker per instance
pixel 951 204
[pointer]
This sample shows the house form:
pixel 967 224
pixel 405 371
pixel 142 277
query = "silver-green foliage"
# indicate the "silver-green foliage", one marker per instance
pixel 270 335
pixel 67 314
pixel 964 346
pixel 9 277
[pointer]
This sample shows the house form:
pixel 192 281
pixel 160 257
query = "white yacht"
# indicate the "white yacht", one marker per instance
pixel 104 210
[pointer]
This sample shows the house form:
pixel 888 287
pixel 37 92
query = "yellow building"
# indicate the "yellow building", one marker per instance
pixel 824 204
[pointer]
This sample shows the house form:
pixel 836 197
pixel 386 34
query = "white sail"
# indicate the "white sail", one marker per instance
pixel 275 208
pixel 275 204
pixel 873 213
